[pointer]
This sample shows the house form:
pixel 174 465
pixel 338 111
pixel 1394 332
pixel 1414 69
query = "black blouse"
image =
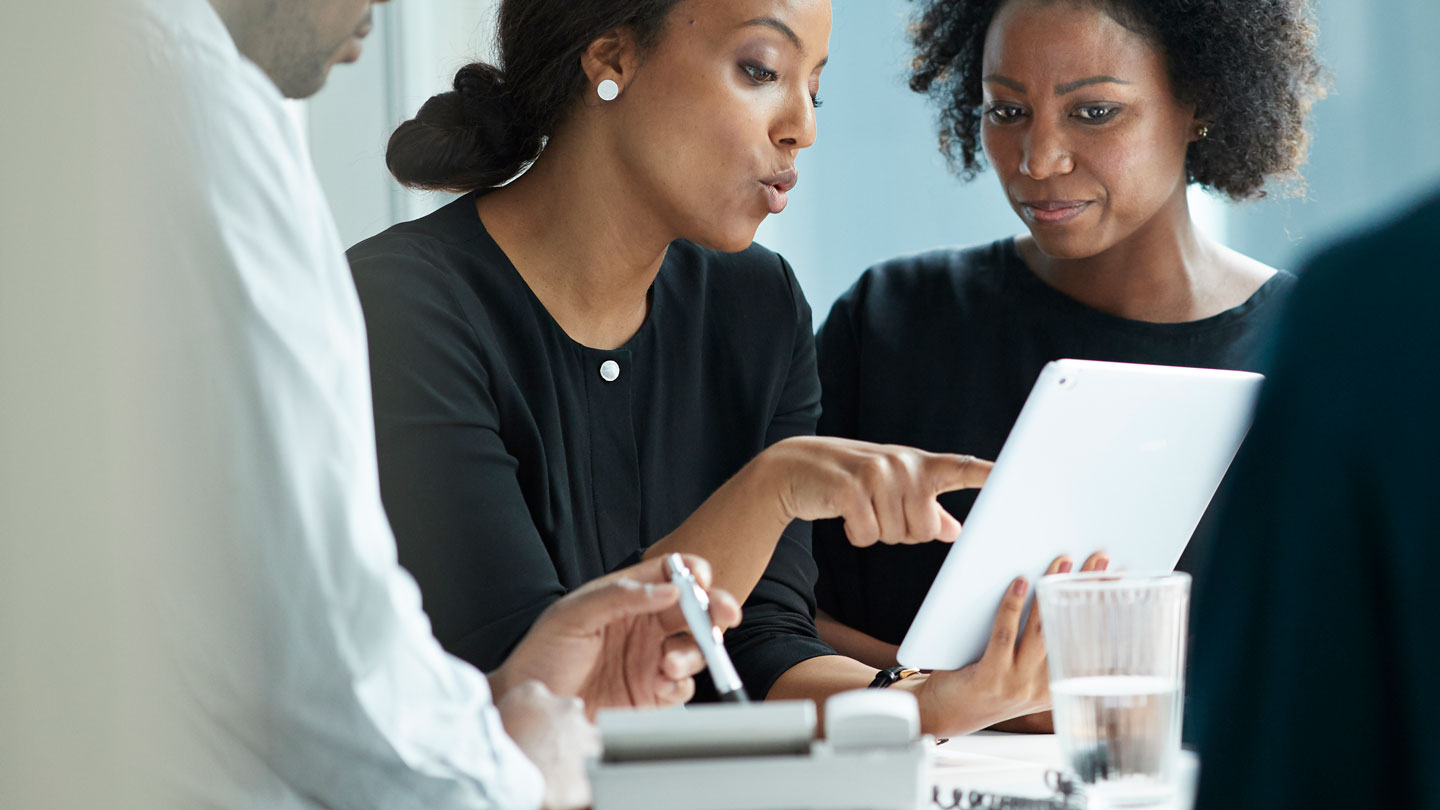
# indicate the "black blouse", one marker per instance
pixel 939 351
pixel 517 464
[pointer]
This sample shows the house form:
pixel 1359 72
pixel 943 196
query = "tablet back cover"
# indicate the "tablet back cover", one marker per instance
pixel 1112 457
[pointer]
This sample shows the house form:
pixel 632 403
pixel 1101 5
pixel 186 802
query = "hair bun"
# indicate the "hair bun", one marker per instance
pixel 469 138
pixel 480 79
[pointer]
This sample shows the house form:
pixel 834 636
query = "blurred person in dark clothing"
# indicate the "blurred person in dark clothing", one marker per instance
pixel 1315 664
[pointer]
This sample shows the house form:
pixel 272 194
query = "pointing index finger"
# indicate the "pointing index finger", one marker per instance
pixel 952 471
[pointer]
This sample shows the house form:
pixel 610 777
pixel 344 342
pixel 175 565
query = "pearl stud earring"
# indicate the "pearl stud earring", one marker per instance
pixel 608 90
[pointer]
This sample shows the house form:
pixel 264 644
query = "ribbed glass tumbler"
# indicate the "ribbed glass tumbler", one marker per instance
pixel 1116 645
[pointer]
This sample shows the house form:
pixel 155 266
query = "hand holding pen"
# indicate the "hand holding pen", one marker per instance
pixel 618 641
pixel 695 604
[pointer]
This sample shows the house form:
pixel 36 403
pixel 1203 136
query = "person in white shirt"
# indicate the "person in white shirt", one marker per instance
pixel 306 675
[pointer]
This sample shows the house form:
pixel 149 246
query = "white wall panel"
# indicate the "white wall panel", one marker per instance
pixel 413 54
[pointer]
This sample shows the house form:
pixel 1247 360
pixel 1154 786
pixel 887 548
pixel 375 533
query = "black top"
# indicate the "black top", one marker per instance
pixel 513 467
pixel 939 351
pixel 1315 679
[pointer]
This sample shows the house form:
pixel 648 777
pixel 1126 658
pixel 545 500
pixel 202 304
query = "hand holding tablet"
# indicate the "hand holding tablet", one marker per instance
pixel 1111 456
pixel 1011 674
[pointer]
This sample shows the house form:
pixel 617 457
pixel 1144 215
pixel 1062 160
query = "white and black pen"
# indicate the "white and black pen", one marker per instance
pixel 695 604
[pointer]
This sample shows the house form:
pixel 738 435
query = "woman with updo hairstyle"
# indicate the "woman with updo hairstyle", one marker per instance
pixel 584 361
pixel 1096 116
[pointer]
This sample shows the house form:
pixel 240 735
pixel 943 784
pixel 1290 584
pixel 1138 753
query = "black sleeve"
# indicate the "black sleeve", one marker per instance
pixel 778 629
pixel 837 561
pixel 448 483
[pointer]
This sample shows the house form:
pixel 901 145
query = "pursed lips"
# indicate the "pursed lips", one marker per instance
pixel 776 188
pixel 784 181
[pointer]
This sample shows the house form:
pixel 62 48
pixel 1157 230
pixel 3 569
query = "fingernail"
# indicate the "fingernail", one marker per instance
pixel 1066 567
pixel 1103 564
pixel 1019 587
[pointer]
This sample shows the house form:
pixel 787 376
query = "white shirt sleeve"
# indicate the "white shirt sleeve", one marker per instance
pixel 305 663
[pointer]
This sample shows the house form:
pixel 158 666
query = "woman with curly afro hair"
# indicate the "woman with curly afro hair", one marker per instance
pixel 1096 117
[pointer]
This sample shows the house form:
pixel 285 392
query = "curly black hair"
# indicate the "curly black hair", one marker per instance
pixel 1249 67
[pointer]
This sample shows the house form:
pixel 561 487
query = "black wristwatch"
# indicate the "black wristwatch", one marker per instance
pixel 889 677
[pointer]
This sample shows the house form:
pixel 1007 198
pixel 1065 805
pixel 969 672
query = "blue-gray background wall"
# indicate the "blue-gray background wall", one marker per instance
pixel 1377 136
pixel 875 186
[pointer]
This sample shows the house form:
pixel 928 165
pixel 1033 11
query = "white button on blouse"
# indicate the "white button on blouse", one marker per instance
pixel 609 371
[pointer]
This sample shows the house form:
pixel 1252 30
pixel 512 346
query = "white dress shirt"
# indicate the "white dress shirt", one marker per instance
pixel 305 672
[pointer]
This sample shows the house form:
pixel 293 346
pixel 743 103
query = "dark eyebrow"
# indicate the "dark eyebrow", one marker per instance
pixel 1001 80
pixel 771 22
pixel 1070 87
pixel 1060 89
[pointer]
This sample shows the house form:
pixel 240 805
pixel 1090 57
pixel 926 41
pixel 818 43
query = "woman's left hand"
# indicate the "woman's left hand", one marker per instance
pixel 1044 722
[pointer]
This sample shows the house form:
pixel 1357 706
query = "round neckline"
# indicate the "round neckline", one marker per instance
pixel 1022 271
pixel 489 244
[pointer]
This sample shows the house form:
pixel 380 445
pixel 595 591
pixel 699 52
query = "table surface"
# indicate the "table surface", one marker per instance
pixel 997 762
pixel 1013 764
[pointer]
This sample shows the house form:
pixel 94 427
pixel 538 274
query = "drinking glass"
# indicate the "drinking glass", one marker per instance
pixel 1116 645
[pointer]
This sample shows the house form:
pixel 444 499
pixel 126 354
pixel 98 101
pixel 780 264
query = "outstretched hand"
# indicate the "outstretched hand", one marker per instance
pixel 885 493
pixel 618 641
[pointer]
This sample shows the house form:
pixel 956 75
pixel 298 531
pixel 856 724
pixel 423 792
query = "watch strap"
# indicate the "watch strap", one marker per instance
pixel 890 676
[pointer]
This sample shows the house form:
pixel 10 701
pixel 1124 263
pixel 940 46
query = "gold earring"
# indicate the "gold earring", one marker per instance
pixel 1203 132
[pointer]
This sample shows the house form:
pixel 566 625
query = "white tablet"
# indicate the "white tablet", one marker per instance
pixel 1111 457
